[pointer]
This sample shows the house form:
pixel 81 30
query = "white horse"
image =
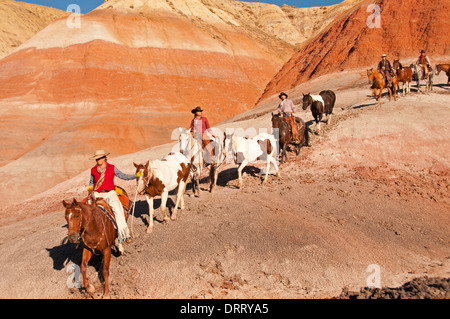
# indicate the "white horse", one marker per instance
pixel 192 149
pixel 245 150
pixel 159 177
pixel 418 71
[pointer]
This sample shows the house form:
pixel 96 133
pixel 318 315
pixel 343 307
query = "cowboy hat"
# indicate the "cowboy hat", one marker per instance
pixel 384 54
pixel 281 94
pixel 99 154
pixel 197 109
pixel 423 51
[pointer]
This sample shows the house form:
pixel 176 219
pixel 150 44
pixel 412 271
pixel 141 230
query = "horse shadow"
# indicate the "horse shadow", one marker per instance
pixel 68 252
pixel 443 86
pixel 142 210
pixel 231 174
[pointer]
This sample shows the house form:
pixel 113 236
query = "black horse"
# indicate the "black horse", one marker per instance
pixel 285 134
pixel 320 104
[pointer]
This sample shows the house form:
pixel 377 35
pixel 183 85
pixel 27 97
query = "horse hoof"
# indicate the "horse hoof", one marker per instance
pixel 149 230
pixel 173 217
pixel 106 296
pixel 90 289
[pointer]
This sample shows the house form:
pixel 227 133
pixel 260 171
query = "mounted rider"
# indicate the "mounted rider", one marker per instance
pixel 201 131
pixel 102 184
pixel 384 66
pixel 287 109
pixel 424 62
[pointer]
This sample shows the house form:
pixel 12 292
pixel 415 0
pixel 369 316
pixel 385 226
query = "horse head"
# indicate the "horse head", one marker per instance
pixel 143 176
pixel 275 120
pixel 307 101
pixel 184 140
pixel 74 218
pixel 397 65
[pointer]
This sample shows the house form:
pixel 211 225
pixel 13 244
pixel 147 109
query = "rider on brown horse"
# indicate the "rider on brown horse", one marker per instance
pixel 384 66
pixel 424 62
pixel 287 109
pixel 102 183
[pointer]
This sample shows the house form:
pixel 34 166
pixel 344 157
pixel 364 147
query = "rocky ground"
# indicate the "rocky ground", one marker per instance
pixel 371 190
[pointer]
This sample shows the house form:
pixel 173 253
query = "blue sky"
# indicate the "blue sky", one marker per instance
pixel 88 5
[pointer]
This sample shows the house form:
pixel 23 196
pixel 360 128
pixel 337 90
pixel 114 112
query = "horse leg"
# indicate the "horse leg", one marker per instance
pixel 180 194
pixel 273 160
pixel 267 169
pixel 106 261
pixel 240 168
pixel 87 254
pixel 215 177
pixel 329 119
pixel 164 197
pixel 182 197
pixel 150 212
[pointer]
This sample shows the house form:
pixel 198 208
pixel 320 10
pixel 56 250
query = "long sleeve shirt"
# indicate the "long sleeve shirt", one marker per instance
pixel 286 106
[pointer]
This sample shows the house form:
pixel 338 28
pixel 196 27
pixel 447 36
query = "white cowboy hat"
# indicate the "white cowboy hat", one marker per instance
pixel 99 154
pixel 384 54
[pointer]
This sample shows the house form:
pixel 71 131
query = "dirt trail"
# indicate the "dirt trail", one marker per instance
pixel 373 189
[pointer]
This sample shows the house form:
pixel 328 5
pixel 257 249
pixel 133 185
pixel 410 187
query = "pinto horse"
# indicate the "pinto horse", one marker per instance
pixel 245 150
pixel 445 68
pixel 379 82
pixel 285 134
pixel 195 150
pixel 320 104
pixel 404 75
pixel 158 178
pixel 95 227
pixel 419 74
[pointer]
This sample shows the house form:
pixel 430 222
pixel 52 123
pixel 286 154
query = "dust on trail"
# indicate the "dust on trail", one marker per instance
pixel 373 189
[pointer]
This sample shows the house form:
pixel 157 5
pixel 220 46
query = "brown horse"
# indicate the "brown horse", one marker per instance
pixel 379 82
pixel 445 68
pixel 95 227
pixel 404 75
pixel 285 134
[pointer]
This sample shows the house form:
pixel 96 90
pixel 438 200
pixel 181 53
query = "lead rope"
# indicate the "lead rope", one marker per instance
pixel 132 214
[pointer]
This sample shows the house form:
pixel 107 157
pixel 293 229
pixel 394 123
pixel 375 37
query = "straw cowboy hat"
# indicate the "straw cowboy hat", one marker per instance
pixel 384 54
pixel 99 154
pixel 197 109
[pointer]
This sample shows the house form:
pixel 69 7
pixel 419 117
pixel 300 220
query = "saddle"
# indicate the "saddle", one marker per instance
pixel 106 208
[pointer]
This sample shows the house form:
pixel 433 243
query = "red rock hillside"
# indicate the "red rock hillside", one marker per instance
pixel 407 26
pixel 129 74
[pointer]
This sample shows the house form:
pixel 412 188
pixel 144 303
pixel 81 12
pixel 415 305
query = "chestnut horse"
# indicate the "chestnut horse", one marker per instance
pixel 285 134
pixel 379 82
pixel 445 68
pixel 404 75
pixel 95 227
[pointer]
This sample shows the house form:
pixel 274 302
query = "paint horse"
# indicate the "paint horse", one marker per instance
pixel 245 150
pixel 404 76
pixel 419 75
pixel 193 149
pixel 320 104
pixel 158 178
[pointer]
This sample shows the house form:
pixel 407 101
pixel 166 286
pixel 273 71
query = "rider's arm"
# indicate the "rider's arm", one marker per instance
pixel 91 181
pixel 124 176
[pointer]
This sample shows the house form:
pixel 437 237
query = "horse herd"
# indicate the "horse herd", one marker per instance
pixel 94 225
pixel 404 75
pixel 91 220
